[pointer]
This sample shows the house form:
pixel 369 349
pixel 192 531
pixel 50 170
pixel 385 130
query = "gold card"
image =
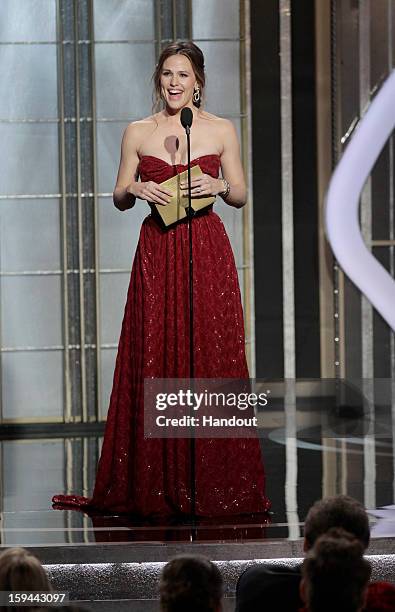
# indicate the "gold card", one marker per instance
pixel 175 210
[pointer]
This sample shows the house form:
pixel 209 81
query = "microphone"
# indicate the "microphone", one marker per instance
pixel 186 122
pixel 186 118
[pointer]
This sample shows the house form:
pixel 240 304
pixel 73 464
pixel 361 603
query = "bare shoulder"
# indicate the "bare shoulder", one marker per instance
pixel 137 131
pixel 219 122
pixel 227 128
pixel 224 127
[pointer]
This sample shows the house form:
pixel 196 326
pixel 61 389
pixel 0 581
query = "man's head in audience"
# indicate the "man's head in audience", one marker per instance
pixel 338 511
pixel 191 583
pixel 335 574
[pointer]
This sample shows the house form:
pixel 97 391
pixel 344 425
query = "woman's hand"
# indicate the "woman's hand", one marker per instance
pixel 150 191
pixel 203 185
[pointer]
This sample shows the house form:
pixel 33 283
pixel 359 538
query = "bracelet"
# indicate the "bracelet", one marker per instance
pixel 224 194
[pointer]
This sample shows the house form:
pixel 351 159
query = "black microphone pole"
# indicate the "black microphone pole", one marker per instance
pixel 186 120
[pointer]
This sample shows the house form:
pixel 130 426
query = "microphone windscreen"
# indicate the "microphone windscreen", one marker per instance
pixel 186 117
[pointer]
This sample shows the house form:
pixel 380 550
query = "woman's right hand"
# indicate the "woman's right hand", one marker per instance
pixel 150 191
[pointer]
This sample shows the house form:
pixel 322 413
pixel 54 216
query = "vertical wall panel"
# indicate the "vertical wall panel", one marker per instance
pixel 31 385
pixel 285 189
pixel 124 56
pixel 382 175
pixel 307 322
pixel 266 160
pixel 287 201
pixel 347 113
pixel 328 317
pixel 79 207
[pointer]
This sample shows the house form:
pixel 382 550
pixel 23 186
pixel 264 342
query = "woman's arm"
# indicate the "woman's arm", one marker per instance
pixel 128 187
pixel 128 169
pixel 232 169
pixel 233 189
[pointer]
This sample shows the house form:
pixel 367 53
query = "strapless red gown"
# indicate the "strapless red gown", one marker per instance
pixel 148 477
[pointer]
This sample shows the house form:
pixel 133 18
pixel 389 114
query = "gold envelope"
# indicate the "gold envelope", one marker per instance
pixel 175 210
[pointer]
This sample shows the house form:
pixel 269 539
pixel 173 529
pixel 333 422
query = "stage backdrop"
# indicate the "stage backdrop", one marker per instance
pixel 315 67
pixel 74 75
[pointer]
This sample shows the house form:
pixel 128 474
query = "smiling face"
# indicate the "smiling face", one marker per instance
pixel 177 81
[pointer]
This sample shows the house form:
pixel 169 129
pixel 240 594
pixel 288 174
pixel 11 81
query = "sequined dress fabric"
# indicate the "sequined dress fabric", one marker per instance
pixel 150 477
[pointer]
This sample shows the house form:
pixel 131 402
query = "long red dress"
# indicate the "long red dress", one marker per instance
pixel 149 477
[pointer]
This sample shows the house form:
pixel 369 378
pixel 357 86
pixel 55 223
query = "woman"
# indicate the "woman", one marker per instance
pixel 20 571
pixel 148 477
pixel 191 582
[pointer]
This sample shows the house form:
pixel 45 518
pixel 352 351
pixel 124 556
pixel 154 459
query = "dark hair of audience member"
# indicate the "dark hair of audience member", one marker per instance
pixel 190 584
pixel 339 511
pixel 22 571
pixel 335 574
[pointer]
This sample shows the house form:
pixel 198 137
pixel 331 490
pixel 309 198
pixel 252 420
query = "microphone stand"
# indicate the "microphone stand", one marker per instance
pixel 190 214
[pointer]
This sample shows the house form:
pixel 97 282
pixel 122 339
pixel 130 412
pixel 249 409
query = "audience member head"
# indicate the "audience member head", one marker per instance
pixel 338 511
pixel 335 575
pixel 192 584
pixel 22 571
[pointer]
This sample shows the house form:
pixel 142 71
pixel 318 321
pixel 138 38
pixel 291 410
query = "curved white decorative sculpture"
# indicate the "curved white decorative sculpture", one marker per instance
pixel 342 203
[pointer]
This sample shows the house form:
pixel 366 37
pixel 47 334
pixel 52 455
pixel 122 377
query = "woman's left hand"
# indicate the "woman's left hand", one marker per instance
pixel 203 185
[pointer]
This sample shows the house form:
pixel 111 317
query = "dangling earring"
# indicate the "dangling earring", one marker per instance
pixel 196 95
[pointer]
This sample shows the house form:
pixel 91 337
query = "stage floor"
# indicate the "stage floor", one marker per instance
pixel 311 449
